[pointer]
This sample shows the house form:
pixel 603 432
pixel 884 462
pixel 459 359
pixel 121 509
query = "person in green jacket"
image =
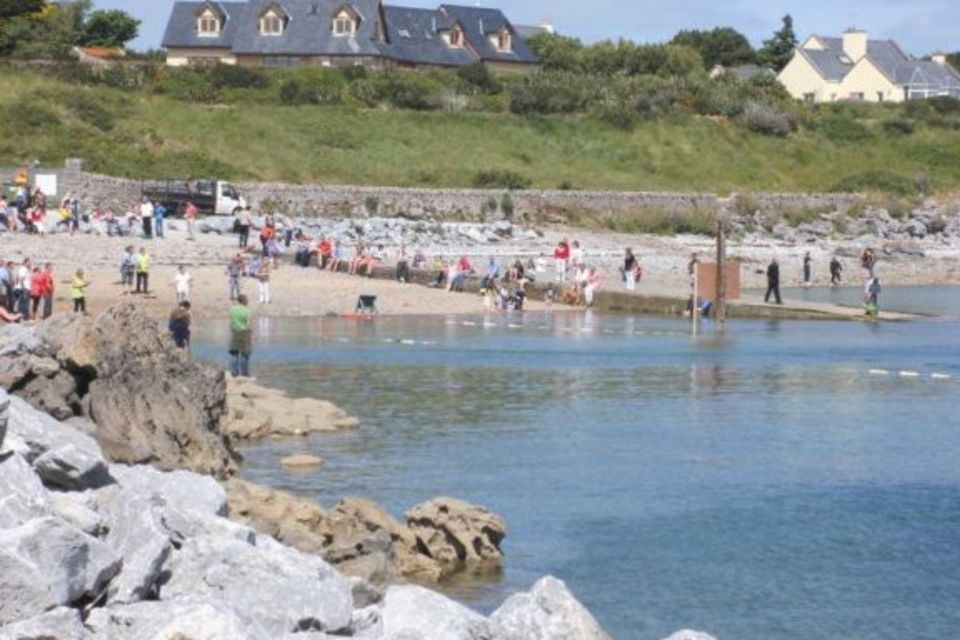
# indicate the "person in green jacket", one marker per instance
pixel 241 338
pixel 142 267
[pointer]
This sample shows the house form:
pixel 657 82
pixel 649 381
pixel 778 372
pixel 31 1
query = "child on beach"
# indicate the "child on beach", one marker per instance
pixel 181 284
pixel 263 281
pixel 179 327
pixel 128 264
pixel 79 292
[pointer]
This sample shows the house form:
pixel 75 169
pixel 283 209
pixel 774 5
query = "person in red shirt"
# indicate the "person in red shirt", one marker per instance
pixel 324 252
pixel 36 290
pixel 46 290
pixel 190 215
pixel 561 256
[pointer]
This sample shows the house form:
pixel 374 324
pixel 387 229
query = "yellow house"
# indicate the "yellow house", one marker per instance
pixel 856 68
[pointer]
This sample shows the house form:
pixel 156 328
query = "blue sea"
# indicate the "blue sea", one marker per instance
pixel 781 481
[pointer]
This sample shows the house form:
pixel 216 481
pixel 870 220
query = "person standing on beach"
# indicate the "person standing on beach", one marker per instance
pixel 190 215
pixel 241 338
pixel 263 280
pixel 807 269
pixel 234 272
pixel 48 287
pixel 561 259
pixel 244 222
pixel 181 284
pixel 630 270
pixel 868 261
pixel 835 270
pixel 79 292
pixel 128 267
pixel 143 271
pixel 773 282
pixel 159 215
pixel 146 217
pixel 22 288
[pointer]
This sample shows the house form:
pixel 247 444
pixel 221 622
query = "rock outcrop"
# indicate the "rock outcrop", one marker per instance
pixel 122 373
pixel 256 412
pixel 440 538
pixel 548 610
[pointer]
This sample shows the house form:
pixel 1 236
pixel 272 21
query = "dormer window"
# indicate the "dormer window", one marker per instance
pixel 456 36
pixel 345 22
pixel 208 24
pixel 504 40
pixel 271 23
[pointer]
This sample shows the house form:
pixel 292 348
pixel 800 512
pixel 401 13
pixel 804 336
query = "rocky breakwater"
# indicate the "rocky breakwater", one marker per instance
pixel 116 378
pixel 131 552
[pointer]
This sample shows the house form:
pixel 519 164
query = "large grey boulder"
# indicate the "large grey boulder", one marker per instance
pixel 45 563
pixel 181 489
pixel 278 588
pixel 22 495
pixel 146 510
pixel 547 612
pixel 62 623
pixel 179 618
pixel 411 612
pixel 137 533
pixel 62 456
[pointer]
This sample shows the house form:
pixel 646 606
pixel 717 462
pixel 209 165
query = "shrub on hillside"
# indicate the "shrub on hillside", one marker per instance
pixel 899 127
pixel 313 86
pixel 190 85
pixel 767 120
pixel 618 115
pixel 843 128
pixel 232 76
pixel 547 93
pixel 877 181
pixel 476 78
pixel 501 179
pixel 26 117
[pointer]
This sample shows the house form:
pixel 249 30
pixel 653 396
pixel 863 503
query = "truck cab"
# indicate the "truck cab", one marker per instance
pixel 229 202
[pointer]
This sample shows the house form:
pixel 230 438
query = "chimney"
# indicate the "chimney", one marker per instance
pixel 940 59
pixel 547 27
pixel 855 44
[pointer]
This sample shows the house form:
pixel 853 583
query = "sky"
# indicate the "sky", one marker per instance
pixel 920 26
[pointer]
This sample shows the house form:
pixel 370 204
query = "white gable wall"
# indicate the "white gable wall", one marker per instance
pixel 865 78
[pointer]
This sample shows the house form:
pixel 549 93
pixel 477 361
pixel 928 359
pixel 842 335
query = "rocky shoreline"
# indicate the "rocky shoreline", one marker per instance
pixel 122 516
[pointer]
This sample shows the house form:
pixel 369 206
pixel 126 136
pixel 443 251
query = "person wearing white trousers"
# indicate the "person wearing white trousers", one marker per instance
pixel 263 280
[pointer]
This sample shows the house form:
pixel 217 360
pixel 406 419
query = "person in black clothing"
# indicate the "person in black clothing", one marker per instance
pixel 835 269
pixel 807 269
pixel 773 282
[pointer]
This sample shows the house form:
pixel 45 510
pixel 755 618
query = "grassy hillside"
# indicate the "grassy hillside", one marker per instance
pixel 141 134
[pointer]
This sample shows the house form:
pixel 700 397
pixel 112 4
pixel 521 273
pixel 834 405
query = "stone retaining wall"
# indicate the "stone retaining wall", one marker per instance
pixel 468 205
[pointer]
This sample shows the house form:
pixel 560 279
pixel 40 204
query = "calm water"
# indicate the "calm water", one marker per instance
pixel 763 486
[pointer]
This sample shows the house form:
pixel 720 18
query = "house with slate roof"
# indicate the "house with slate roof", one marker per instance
pixel 327 33
pixel 855 67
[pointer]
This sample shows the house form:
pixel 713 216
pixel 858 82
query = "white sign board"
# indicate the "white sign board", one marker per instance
pixel 47 183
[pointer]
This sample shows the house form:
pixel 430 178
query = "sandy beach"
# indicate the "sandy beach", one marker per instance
pixel 300 291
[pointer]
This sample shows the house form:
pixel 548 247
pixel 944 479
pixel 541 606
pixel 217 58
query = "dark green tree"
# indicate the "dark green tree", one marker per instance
pixel 556 53
pixel 778 50
pixel 113 28
pixel 723 45
pixel 13 8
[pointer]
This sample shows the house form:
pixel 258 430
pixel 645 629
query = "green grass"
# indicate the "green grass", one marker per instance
pixel 140 135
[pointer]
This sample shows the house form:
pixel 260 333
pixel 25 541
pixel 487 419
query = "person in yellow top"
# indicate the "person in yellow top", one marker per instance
pixel 142 268
pixel 79 292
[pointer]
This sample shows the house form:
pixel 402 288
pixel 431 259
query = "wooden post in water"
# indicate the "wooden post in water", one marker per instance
pixel 720 311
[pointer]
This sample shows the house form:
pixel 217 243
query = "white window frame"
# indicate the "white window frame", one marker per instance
pixel 505 37
pixel 271 23
pixel 457 37
pixel 206 19
pixel 344 25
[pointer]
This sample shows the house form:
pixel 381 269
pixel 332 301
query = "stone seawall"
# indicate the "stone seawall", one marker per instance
pixel 446 205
